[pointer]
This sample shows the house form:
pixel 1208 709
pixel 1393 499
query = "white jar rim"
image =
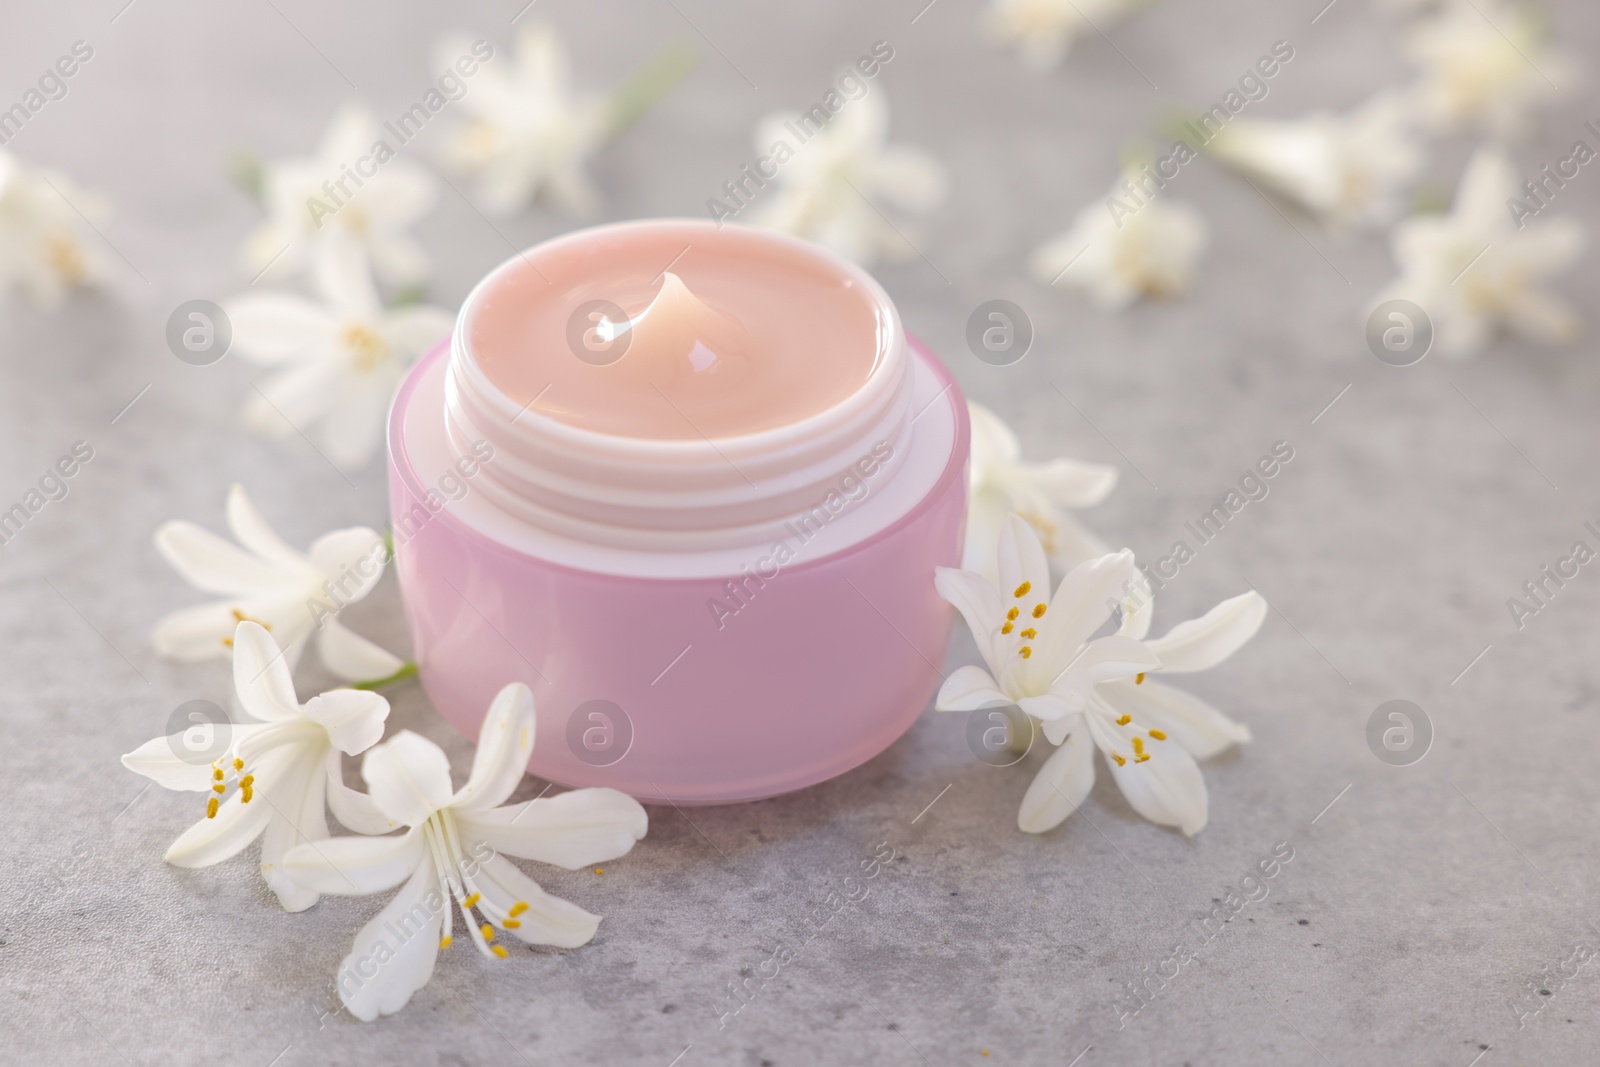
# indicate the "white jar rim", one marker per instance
pixel 666 495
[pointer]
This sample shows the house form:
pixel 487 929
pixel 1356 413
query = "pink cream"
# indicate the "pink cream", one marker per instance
pixel 718 337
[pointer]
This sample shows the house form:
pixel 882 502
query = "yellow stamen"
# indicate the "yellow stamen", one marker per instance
pixel 1022 590
pixel 220 788
pixel 512 924
pixel 1038 611
pixel 472 901
pixel 1007 628
pixel 211 808
pixel 499 950
pixel 1125 720
pixel 238 764
pixel 1030 633
pixel 247 781
pixel 1141 757
pixel 444 942
pixel 1025 652
pixel 1013 613
pixel 1138 746
pixel 487 931
pixel 217 774
pixel 599 870
pixel 1138 679
pixel 518 908
pixel 246 795
pixel 1158 735
pixel 1119 759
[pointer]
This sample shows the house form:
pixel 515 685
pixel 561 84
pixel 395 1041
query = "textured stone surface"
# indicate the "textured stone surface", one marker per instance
pixel 1414 908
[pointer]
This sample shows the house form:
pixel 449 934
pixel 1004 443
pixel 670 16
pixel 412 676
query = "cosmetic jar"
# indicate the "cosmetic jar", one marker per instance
pixel 690 483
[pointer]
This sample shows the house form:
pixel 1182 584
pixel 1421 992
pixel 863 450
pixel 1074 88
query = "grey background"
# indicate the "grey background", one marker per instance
pixel 1414 907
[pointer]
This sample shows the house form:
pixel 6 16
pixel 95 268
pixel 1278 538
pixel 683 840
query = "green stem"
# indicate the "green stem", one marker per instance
pixel 409 670
pixel 248 173
pixel 649 84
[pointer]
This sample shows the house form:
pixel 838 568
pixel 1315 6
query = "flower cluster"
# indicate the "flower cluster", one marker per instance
pixel 1479 68
pixel 275 776
pixel 1088 692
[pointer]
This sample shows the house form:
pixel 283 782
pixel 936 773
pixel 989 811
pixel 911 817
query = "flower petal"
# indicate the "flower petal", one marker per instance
pixel 1072 483
pixel 352 560
pixel 569 830
pixel 968 688
pixel 408 777
pixel 1082 603
pixel 1168 788
pixel 194 634
pixel 352 657
pixel 1202 643
pixel 505 742
pixel 1201 729
pixel 393 955
pixel 236 824
pixel 1138 608
pixel 357 866
pixel 355 811
pixel 169 761
pixel 1060 786
pixel 353 718
pixel 1022 562
pixel 261 675
pixel 548 920
pixel 978 602
pixel 274 327
pixel 213 565
pixel 252 531
pixel 994 444
pixel 297 817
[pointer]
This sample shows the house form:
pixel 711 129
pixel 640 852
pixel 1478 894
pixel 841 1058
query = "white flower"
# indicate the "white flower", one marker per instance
pixel 1485 64
pixel 1350 170
pixel 842 175
pixel 329 197
pixel 277 771
pixel 1151 734
pixel 1000 484
pixel 1126 248
pixel 1036 648
pixel 44 242
pixel 452 855
pixel 1045 30
pixel 289 593
pixel 528 134
pixel 342 358
pixel 1089 693
pixel 1474 270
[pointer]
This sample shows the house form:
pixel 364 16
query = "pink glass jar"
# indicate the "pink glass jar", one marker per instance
pixel 701 620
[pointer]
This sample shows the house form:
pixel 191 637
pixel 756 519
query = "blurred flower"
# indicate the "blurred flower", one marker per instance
pixel 292 594
pixel 1350 170
pixel 1159 777
pixel 329 198
pixel 529 135
pixel 452 855
pixel 1001 484
pixel 1045 30
pixel 1485 64
pixel 44 249
pixel 277 772
pixel 832 188
pixel 1474 269
pixel 343 357
pixel 1133 245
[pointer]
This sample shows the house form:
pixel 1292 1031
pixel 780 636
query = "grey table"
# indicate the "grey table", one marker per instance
pixel 1421 901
